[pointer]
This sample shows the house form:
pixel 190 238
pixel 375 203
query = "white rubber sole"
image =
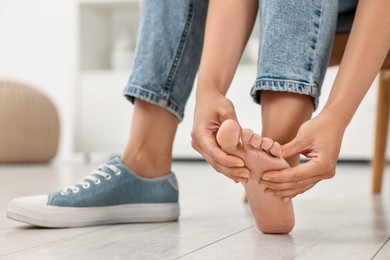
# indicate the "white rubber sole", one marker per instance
pixel 64 217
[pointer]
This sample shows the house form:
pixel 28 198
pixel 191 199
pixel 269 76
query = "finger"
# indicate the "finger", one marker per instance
pixel 290 193
pixel 231 172
pixel 226 159
pixel 293 174
pixel 243 180
pixel 206 145
pixel 275 186
pixel 236 174
pixel 296 146
pixel 229 112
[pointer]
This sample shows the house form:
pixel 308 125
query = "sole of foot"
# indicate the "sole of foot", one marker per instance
pixel 272 214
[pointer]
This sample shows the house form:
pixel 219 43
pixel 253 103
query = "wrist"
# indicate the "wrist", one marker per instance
pixel 337 117
pixel 212 85
pixel 209 92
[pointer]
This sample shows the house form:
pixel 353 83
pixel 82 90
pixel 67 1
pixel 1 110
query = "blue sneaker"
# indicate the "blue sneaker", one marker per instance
pixel 112 194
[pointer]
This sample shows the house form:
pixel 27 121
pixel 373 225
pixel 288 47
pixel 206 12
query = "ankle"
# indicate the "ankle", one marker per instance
pixel 147 165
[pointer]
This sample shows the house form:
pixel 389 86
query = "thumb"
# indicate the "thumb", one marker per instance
pixel 229 111
pixel 295 146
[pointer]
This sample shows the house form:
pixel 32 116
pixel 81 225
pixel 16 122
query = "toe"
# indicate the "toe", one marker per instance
pixel 276 150
pixel 246 135
pixel 228 135
pixel 255 141
pixel 267 143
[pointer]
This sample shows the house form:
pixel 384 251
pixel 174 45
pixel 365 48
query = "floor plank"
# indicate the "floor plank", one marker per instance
pixel 384 253
pixel 338 219
pixel 345 223
pixel 25 180
pixel 152 241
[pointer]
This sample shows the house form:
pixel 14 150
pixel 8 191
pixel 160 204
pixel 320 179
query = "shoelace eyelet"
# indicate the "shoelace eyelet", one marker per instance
pixel 93 177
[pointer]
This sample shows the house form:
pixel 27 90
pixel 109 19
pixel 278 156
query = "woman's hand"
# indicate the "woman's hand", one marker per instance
pixel 212 108
pixel 319 139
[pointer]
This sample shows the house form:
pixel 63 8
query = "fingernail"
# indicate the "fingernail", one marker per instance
pixel 243 180
pixel 244 175
pixel 285 200
pixel 266 177
pixel 240 164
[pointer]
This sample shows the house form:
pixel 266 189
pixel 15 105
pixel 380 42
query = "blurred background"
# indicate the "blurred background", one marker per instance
pixel 78 53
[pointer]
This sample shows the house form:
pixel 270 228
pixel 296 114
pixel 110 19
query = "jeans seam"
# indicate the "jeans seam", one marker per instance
pixel 282 82
pixel 317 33
pixel 180 48
pixel 279 85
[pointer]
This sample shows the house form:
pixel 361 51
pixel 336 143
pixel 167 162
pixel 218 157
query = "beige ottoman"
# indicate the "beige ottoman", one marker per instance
pixel 29 125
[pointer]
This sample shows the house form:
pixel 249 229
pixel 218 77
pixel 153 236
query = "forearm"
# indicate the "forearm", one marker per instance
pixel 228 27
pixel 367 47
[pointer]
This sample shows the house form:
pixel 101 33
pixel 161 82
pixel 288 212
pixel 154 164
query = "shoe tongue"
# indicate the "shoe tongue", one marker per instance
pixel 115 161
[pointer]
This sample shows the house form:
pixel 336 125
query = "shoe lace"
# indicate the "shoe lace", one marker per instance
pixel 92 177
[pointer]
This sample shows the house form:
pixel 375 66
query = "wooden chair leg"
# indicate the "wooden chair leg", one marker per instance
pixel 382 120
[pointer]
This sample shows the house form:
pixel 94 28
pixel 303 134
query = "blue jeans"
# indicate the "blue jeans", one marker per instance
pixel 295 44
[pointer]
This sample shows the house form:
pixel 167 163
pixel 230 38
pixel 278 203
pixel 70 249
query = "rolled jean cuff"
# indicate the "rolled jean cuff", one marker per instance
pixel 285 86
pixel 143 93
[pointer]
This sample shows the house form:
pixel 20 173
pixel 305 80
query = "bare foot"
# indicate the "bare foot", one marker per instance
pixel 272 215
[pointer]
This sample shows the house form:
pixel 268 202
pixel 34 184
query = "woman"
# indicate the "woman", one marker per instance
pixel 168 54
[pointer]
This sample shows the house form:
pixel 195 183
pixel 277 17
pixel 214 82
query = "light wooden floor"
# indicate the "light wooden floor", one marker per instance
pixel 338 219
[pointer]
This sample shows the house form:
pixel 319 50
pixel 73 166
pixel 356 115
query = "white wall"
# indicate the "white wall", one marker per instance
pixel 37 46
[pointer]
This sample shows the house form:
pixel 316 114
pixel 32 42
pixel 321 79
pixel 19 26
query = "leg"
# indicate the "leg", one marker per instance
pixel 165 65
pixel 122 191
pixel 161 127
pixel 291 109
pixel 292 62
